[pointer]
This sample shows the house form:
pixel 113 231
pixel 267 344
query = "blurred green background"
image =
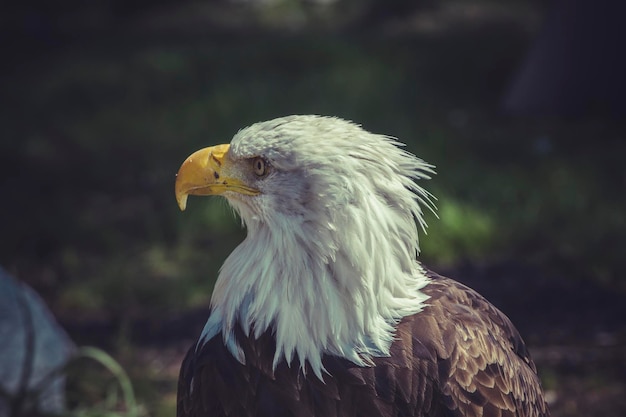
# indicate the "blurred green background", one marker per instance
pixel 102 102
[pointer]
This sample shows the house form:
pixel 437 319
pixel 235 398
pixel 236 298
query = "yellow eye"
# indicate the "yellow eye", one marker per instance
pixel 259 166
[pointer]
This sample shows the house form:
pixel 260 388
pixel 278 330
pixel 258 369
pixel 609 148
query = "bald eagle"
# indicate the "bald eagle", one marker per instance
pixel 324 310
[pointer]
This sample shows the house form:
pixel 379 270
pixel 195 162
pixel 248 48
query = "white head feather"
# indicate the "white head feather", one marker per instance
pixel 330 260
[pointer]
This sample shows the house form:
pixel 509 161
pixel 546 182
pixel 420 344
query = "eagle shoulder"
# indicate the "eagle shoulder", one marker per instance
pixel 484 366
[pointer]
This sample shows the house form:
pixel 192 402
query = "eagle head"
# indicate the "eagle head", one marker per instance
pixel 330 260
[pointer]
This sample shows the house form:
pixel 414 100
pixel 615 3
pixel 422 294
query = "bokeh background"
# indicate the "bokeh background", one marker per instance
pixel 521 105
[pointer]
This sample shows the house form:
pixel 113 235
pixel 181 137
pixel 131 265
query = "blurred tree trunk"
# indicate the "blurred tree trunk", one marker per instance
pixel 577 65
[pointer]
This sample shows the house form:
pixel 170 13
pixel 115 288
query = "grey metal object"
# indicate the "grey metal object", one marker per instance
pixel 33 351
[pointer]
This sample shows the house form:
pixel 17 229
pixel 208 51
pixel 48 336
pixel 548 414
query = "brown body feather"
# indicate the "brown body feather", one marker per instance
pixel 460 356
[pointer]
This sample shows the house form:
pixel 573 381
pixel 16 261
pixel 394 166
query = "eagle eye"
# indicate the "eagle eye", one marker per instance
pixel 259 166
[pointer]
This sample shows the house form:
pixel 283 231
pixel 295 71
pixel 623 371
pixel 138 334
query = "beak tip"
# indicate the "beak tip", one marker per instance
pixel 182 201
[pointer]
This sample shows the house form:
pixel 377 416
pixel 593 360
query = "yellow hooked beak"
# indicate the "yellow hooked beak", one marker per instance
pixel 209 172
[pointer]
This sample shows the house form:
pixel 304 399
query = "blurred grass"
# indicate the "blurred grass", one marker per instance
pixel 119 400
pixel 94 135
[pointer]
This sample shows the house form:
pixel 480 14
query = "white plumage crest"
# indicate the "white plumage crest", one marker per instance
pixel 330 260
